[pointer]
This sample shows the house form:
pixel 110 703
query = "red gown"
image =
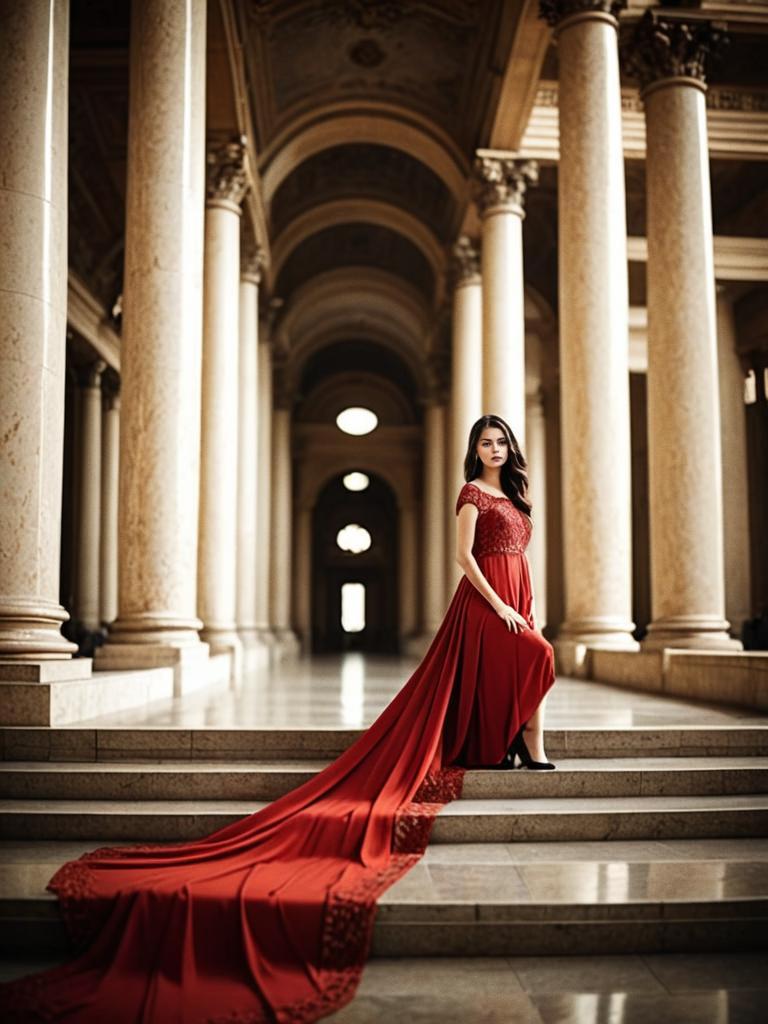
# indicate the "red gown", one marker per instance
pixel 270 918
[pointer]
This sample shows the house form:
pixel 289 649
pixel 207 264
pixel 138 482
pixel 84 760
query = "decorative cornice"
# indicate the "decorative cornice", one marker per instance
pixel 556 11
pixel 464 264
pixel 252 262
pixel 226 179
pixel 501 181
pixel 662 47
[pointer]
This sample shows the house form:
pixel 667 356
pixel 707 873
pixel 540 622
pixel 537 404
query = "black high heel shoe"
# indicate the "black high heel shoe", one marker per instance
pixel 519 749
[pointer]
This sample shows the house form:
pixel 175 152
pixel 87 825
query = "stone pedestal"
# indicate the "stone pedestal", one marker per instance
pixel 87 612
pixel 594 332
pixel 501 185
pixel 685 475
pixel 217 554
pixel 34 56
pixel 161 344
pixel 466 387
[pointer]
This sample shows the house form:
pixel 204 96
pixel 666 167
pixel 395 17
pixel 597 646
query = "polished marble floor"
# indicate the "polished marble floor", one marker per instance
pixel 350 690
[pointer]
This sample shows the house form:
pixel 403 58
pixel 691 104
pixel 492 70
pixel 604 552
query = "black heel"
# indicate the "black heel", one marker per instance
pixel 518 747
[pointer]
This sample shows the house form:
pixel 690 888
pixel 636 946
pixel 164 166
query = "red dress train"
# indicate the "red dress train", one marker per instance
pixel 270 918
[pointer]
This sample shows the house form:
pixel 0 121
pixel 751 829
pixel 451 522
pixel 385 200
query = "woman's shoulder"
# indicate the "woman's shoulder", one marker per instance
pixel 471 494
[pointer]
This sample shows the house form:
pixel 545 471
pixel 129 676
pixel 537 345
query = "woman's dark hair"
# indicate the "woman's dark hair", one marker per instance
pixel 514 479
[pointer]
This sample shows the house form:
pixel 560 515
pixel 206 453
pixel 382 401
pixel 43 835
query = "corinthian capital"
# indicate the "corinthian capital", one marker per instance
pixel 556 11
pixel 227 181
pixel 465 262
pixel 663 47
pixel 252 262
pixel 501 180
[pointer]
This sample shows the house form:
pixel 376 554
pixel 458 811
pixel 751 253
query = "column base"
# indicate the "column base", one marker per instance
pixel 690 633
pixel 576 636
pixel 226 641
pixel 416 646
pixel 30 630
pixel 286 644
pixel 256 649
pixel 189 661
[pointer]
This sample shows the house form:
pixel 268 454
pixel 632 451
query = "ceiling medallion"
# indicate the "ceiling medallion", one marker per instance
pixel 367 53
pixel 371 14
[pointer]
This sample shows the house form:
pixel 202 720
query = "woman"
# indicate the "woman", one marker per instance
pixel 270 918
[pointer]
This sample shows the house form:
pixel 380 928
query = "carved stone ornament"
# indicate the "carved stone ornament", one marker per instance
pixel 661 47
pixel 555 11
pixel 226 177
pixel 465 264
pixel 252 262
pixel 502 181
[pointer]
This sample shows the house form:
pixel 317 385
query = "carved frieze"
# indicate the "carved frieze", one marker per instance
pixel 226 179
pixel 663 47
pixel 502 181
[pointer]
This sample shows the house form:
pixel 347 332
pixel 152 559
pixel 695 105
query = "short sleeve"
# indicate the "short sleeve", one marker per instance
pixel 468 495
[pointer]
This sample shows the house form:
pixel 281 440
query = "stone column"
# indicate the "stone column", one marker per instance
pixel 466 387
pixel 161 344
pixel 217 554
pixel 536 454
pixel 281 568
pixel 684 459
pixel 408 589
pixel 302 594
pixel 733 433
pixel 594 332
pixel 264 494
pixel 34 55
pixel 433 515
pixel 248 455
pixel 501 185
pixel 110 461
pixel 89 506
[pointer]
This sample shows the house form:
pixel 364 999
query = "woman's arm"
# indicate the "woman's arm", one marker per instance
pixel 465 536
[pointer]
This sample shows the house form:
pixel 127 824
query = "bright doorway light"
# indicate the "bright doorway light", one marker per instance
pixel 356 481
pixel 353 538
pixel 352 607
pixel 357 420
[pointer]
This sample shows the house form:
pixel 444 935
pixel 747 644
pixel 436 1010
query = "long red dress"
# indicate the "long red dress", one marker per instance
pixel 270 918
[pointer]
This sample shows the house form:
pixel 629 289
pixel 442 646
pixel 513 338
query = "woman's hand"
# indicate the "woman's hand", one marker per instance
pixel 512 619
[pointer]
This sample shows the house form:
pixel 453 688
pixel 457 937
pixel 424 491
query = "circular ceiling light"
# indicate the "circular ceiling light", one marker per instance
pixel 356 420
pixel 353 538
pixel 356 481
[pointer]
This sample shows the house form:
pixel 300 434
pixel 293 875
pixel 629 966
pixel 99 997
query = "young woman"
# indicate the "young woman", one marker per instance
pixel 270 919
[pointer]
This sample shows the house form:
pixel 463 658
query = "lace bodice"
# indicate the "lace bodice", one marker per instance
pixel 501 527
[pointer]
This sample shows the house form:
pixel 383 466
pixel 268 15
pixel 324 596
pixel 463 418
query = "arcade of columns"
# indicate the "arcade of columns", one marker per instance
pixel 173 538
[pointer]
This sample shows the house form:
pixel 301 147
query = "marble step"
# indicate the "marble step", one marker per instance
pixel 497 899
pixel 463 821
pixel 162 743
pixel 267 780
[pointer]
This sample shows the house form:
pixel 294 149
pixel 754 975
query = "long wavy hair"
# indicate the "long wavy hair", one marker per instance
pixel 514 478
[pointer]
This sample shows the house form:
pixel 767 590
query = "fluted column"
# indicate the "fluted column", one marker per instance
pixel 594 331
pixel 110 462
pixel 89 505
pixel 264 552
pixel 217 555
pixel 161 340
pixel 537 477
pixel 281 566
pixel 248 437
pixel 501 185
pixel 733 435
pixel 433 516
pixel 466 386
pixel 34 56
pixel 684 458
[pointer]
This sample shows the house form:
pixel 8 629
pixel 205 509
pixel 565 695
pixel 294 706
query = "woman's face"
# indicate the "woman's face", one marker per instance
pixel 492 447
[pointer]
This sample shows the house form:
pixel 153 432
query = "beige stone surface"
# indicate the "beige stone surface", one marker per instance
pixel 216 565
pixel 433 519
pixel 110 475
pixel 264 491
pixel 280 572
pixel 87 610
pixel 34 55
pixel 684 455
pixel 161 341
pixel 593 313
pixel 247 455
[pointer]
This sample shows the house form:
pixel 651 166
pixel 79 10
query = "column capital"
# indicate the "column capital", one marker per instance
pixel 226 177
pixel 91 374
pixel 557 12
pixel 663 48
pixel 252 262
pixel 465 261
pixel 501 181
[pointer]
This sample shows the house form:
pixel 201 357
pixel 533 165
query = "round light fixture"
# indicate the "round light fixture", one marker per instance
pixel 356 481
pixel 357 420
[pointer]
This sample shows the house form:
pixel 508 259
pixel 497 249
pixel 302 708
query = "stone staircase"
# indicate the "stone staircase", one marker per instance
pixel 659 844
